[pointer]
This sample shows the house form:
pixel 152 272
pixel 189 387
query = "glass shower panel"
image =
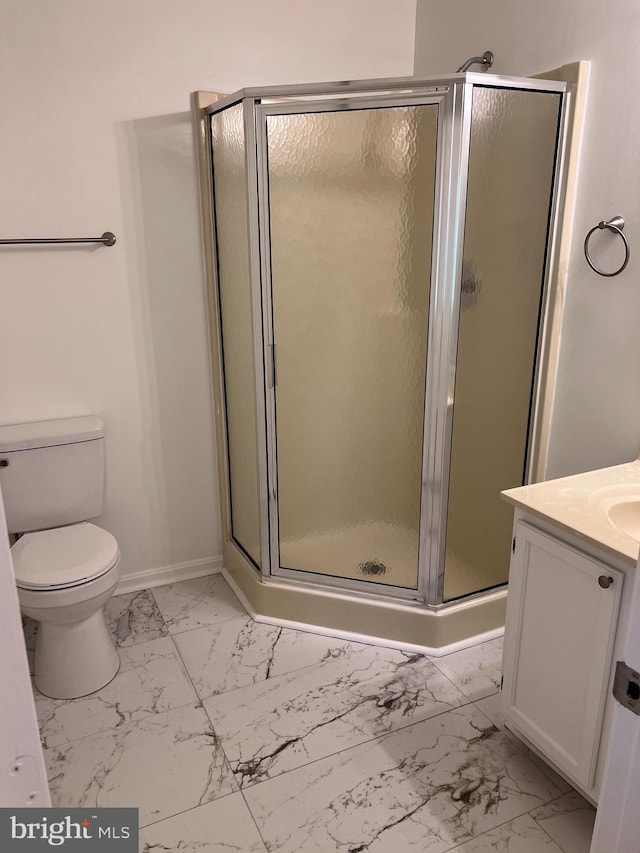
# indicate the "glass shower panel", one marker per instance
pixel 232 251
pixel 510 188
pixel 351 195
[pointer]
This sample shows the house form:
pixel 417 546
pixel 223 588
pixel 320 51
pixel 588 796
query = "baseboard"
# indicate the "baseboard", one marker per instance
pixel 360 638
pixel 244 601
pixel 148 578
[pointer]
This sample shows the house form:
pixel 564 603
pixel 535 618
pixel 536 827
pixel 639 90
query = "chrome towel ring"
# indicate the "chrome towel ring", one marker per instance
pixel 616 225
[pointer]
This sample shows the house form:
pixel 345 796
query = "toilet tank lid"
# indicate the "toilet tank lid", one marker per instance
pixel 49 433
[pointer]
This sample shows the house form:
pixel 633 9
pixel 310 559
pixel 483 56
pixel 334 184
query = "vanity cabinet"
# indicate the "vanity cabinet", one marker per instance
pixel 562 617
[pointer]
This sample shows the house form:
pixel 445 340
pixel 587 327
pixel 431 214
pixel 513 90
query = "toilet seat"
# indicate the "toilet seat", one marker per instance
pixel 63 557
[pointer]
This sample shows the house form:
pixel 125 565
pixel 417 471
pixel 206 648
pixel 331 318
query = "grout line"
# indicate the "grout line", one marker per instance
pixel 157 606
pixel 478 698
pixel 327 661
pixel 274 678
pixel 218 740
pixel 242 615
pixel 393 732
pixel 468 649
pixel 122 646
pixel 496 687
pixel 211 624
pixel 240 790
pixel 370 740
pixel 546 833
pixel 271 680
pixel 255 822
pixel 192 703
pixel 535 820
pixel 486 832
pixel 186 811
pixel 184 666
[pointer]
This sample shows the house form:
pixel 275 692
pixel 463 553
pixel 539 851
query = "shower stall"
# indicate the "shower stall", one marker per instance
pixel 381 255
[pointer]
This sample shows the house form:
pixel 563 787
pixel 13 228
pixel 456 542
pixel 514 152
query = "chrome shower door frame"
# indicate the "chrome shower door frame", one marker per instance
pixel 450 183
pixel 446 275
pixel 258 319
pixel 439 426
pixel 537 451
pixel 256 335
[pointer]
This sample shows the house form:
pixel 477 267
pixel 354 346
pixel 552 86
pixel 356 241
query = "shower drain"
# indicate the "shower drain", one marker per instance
pixel 372 568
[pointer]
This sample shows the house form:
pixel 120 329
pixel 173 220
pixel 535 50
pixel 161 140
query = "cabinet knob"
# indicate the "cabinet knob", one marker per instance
pixel 605 581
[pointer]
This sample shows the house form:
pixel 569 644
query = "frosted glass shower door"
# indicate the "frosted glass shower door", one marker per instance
pixel 350 196
pixel 512 162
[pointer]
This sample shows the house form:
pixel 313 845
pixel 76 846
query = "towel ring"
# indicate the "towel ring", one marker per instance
pixel 616 225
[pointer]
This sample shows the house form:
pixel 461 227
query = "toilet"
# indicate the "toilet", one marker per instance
pixel 52 476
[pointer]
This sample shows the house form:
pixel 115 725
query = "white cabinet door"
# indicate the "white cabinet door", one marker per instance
pixel 561 623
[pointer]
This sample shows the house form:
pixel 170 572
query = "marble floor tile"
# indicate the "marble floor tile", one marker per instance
pixel 491 707
pixel 522 835
pixel 134 618
pixel 239 652
pixel 424 788
pixel 196 603
pixel 163 764
pixel 476 670
pixel 279 724
pixel 569 821
pixel 151 679
pixel 144 653
pixel 224 824
pixel 228 655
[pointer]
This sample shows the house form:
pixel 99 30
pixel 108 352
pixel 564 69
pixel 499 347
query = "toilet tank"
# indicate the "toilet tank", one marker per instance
pixel 52 473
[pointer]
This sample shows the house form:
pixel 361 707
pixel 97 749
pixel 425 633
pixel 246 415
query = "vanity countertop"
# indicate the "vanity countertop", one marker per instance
pixel 581 505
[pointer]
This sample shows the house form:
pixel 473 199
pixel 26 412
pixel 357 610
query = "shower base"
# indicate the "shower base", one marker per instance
pixel 406 625
pixel 378 552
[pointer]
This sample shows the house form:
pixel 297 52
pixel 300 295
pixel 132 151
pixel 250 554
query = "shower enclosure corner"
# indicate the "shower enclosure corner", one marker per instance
pixel 382 255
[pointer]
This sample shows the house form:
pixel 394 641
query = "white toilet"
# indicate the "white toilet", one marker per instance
pixel 52 475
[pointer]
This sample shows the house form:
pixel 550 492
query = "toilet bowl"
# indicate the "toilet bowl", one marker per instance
pixel 52 475
pixel 65 576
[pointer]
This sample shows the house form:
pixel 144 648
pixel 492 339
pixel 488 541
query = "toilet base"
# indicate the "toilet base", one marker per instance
pixel 74 658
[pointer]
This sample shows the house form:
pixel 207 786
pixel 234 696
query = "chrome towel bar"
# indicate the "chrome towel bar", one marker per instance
pixel 616 225
pixel 107 239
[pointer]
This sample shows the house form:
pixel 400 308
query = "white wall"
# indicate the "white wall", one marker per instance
pixel 596 419
pixel 96 136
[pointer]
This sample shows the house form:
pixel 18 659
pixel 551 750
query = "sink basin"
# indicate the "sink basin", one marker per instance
pixel 626 517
